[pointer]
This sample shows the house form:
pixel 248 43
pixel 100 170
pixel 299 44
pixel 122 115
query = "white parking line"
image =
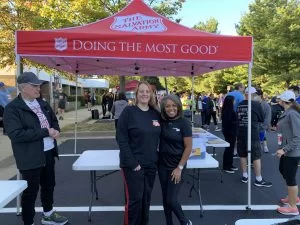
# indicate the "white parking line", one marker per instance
pixel 152 208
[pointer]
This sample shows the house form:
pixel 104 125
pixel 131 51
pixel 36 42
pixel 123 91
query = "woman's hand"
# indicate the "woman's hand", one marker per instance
pixel 280 152
pixel 176 175
pixel 138 168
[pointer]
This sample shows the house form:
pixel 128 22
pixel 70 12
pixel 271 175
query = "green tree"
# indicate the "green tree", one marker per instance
pixel 211 26
pixel 153 81
pixel 275 26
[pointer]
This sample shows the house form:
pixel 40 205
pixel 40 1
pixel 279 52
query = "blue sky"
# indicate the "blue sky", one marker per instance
pixel 227 13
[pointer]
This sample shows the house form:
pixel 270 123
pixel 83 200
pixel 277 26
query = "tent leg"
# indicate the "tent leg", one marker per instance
pixel 19 71
pixel 249 136
pixel 193 99
pixel 76 119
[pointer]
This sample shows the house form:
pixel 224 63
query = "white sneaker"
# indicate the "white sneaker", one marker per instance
pixel 266 150
pixel 218 129
pixel 189 223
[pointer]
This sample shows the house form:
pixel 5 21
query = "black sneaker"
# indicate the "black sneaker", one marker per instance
pixel 262 183
pixel 228 170
pixel 234 168
pixel 244 179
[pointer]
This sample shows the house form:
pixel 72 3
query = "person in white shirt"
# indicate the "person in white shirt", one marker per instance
pixel 32 127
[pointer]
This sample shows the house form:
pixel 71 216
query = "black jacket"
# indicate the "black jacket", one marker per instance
pixel 24 130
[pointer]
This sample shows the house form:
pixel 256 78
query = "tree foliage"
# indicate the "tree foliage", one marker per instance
pixel 53 14
pixel 275 26
pixel 211 26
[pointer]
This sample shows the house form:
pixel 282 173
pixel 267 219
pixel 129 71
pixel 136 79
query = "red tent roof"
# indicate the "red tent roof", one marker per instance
pixel 130 85
pixel 135 41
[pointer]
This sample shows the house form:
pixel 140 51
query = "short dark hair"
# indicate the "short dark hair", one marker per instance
pixel 294 88
pixel 237 86
pixel 177 102
pixel 121 96
pixel 259 92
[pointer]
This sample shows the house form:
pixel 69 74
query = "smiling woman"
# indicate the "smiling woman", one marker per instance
pixel 138 132
pixel 174 150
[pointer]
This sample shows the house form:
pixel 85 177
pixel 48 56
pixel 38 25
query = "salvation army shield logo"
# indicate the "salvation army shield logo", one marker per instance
pixel 138 23
pixel 61 44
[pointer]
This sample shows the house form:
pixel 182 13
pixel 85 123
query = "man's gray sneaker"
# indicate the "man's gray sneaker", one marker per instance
pixel 262 183
pixel 54 219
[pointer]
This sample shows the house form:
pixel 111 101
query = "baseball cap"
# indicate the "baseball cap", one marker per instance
pixel 287 96
pixel 252 90
pixel 29 78
pixel 2 84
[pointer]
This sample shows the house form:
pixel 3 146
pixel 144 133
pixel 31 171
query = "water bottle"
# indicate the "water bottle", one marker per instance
pixel 279 139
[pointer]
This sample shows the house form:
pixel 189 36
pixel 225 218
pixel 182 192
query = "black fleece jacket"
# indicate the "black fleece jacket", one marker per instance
pixel 24 130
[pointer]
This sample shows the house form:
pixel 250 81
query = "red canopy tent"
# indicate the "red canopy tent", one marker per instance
pixel 136 41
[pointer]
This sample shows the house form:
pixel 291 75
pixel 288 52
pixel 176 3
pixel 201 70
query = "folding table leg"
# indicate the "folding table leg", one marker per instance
pixel 92 186
pixel 221 174
pixel 95 186
pixel 214 152
pixel 193 184
pixel 197 177
pixel 199 194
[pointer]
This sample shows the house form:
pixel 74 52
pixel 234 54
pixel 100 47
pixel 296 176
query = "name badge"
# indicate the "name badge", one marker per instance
pixel 155 123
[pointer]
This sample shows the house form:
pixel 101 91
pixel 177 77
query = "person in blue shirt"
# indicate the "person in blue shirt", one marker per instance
pixel 5 94
pixel 238 94
pixel 203 112
pixel 5 98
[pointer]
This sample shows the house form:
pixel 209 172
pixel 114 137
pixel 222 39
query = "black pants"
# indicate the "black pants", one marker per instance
pixel 228 153
pixel 212 114
pixel 44 177
pixel 170 192
pixel 103 109
pixel 138 189
pixel 203 117
pixel 116 123
pixel 288 167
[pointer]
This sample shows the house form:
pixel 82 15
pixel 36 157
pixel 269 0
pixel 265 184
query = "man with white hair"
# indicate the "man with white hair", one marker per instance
pixel 33 128
pixel 257 117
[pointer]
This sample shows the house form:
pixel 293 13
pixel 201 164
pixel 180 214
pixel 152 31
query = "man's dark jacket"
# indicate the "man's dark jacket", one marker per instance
pixel 24 130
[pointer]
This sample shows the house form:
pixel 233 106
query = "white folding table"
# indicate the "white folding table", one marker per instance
pixel 108 160
pixel 10 189
pixel 259 221
pixel 212 140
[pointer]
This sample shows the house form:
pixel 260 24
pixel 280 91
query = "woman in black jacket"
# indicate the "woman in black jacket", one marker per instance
pixel 138 134
pixel 229 128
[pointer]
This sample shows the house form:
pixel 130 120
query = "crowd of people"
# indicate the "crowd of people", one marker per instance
pixel 155 139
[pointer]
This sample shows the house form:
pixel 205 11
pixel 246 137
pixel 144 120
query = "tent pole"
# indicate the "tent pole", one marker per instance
pixel 76 108
pixel 249 136
pixel 193 98
pixel 18 72
pixel 166 85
